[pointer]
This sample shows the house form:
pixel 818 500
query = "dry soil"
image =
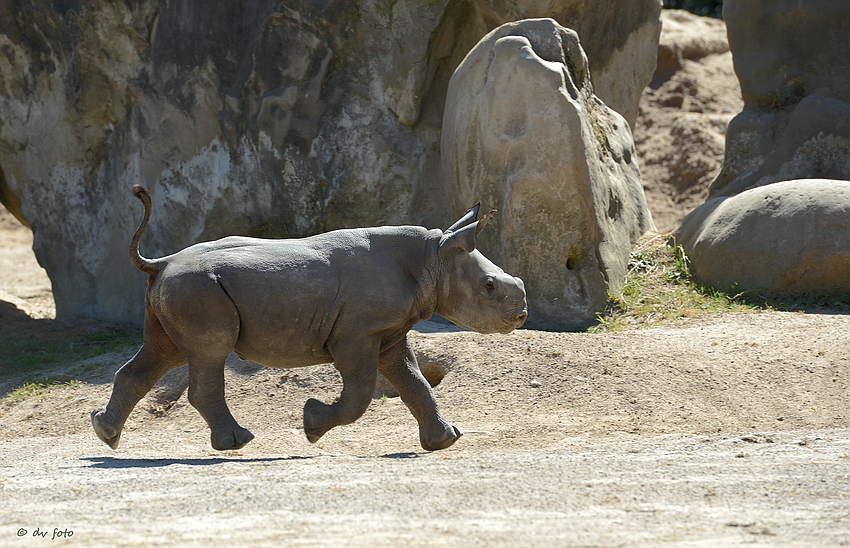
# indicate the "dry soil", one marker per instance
pixel 681 128
pixel 721 430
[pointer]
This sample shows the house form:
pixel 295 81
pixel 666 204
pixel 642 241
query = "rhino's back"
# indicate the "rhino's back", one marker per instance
pixel 289 294
pixel 285 293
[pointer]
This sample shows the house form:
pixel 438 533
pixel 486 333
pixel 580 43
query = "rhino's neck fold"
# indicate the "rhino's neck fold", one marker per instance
pixel 429 279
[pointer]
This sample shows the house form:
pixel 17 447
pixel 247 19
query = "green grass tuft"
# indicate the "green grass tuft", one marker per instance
pixel 29 348
pixel 39 388
pixel 658 288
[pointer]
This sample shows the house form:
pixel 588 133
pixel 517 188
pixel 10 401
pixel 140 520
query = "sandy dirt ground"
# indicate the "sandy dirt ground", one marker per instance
pixel 719 430
pixel 23 283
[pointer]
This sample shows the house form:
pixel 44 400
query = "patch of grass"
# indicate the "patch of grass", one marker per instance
pixel 791 93
pixel 38 388
pixel 659 287
pixel 29 346
pixel 796 302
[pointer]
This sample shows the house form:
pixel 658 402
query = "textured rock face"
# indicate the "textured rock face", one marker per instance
pixel 523 132
pixel 790 236
pixel 793 62
pixel 258 118
pixel 687 37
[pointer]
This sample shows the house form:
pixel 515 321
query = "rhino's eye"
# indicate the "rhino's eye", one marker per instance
pixel 490 287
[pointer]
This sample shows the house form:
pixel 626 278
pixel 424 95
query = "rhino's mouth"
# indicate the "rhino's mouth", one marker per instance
pixel 489 330
pixel 510 321
pixel 515 319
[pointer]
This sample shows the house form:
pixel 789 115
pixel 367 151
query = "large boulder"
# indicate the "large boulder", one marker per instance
pixel 261 118
pixel 790 236
pixel 524 132
pixel 793 63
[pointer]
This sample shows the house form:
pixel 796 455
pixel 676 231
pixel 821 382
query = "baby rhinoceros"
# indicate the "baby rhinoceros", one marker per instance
pixel 347 297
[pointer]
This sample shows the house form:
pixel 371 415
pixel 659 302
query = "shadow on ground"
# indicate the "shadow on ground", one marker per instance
pixel 110 463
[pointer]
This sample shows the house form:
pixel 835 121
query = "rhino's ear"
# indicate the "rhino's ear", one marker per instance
pixel 483 222
pixel 464 238
pixel 468 217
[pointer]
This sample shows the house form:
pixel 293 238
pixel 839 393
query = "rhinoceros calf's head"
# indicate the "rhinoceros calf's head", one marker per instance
pixel 473 292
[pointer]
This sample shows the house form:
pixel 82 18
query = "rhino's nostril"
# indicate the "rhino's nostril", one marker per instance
pixel 520 319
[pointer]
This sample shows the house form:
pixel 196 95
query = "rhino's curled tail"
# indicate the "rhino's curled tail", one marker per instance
pixel 143 264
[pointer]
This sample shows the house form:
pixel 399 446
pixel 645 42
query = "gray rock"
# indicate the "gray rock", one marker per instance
pixel 524 132
pixel 253 118
pixel 686 36
pixel 793 62
pixel 790 236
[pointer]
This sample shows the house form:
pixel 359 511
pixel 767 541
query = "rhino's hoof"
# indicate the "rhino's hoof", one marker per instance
pixel 233 438
pixel 107 434
pixel 447 440
pixel 313 434
pixel 315 419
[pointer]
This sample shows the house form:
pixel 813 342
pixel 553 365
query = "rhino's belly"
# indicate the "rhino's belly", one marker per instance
pixel 282 335
pixel 281 357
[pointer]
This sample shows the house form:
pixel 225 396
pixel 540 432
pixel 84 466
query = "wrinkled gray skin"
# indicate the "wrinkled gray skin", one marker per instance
pixel 347 297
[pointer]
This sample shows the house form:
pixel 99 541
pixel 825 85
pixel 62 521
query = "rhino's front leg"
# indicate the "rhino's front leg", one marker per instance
pixel 357 363
pixel 398 364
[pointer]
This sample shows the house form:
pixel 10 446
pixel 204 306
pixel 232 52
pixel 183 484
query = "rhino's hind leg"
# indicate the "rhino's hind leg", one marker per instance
pixel 206 394
pixel 157 356
pixel 398 365
pixel 359 370
pixel 206 325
